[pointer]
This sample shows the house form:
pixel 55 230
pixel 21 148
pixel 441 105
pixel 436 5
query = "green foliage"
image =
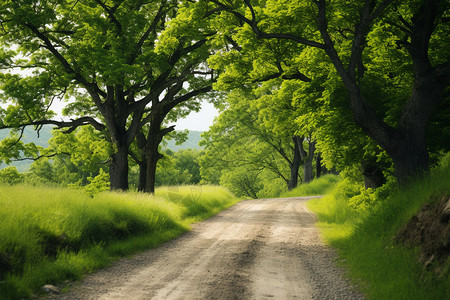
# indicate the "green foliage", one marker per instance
pixel 250 147
pixel 52 234
pixel 319 186
pixel 29 136
pixel 97 184
pixel 242 182
pixel 72 158
pixel 112 60
pixel 364 236
pixel 10 175
pixel 321 108
pixel 175 168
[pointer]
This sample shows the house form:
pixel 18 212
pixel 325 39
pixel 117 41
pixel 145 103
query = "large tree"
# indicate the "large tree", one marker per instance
pixel 149 138
pixel 343 32
pixel 110 55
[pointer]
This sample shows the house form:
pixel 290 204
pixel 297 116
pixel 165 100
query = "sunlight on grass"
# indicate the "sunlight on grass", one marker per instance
pixel 319 186
pixel 49 235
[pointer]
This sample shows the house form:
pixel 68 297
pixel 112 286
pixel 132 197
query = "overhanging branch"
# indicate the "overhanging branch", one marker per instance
pixel 72 125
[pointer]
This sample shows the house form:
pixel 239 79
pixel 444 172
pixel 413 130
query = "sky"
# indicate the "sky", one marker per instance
pixel 198 121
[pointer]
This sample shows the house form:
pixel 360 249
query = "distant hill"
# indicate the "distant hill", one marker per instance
pixel 30 136
pixel 191 143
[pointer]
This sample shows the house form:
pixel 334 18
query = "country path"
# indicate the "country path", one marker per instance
pixel 257 249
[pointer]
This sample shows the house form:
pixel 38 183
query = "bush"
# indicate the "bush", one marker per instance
pixel 10 175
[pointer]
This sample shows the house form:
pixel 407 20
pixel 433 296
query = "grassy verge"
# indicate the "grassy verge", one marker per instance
pixel 363 231
pixel 319 186
pixel 49 235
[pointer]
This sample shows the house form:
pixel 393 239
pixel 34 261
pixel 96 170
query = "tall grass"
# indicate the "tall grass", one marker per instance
pixel 319 186
pixel 48 235
pixel 364 239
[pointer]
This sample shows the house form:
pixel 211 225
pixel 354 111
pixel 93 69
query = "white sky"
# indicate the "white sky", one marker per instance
pixel 199 121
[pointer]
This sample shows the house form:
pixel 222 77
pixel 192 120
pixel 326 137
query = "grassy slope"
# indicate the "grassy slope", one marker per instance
pixel 319 186
pixel 49 235
pixel 364 239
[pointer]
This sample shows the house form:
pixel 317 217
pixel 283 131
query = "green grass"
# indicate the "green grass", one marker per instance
pixel 319 186
pixel 364 239
pixel 49 235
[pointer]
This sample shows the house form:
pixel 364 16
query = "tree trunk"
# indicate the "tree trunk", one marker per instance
pixel 118 171
pixel 152 155
pixel 152 158
pixel 142 175
pixel 320 169
pixel 410 157
pixel 308 163
pixel 295 165
pixel 307 159
pixel 373 175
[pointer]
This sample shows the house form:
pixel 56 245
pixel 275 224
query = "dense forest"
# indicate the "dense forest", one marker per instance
pixel 304 88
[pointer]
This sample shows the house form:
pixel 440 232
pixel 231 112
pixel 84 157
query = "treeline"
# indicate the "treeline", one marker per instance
pixel 80 159
pixel 303 86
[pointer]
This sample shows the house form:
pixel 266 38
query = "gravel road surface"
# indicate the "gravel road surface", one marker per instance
pixel 257 249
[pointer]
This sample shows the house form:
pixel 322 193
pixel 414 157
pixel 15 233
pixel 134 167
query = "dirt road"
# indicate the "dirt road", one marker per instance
pixel 258 249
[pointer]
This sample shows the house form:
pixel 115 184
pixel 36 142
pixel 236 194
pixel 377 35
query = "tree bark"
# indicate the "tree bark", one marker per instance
pixel 119 169
pixel 373 175
pixel 295 165
pixel 320 169
pixel 151 153
pixel 410 156
pixel 308 165
pixel 307 159
pixel 152 158
pixel 142 175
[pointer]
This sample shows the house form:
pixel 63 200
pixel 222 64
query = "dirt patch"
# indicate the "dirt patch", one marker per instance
pixel 430 230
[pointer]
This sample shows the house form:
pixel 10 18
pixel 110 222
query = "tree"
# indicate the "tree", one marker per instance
pixel 343 32
pixel 148 145
pixel 255 134
pixel 110 55
pixel 257 73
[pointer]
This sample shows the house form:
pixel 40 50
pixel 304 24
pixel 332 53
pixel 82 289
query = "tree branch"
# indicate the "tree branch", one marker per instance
pixel 72 125
pixel 111 15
